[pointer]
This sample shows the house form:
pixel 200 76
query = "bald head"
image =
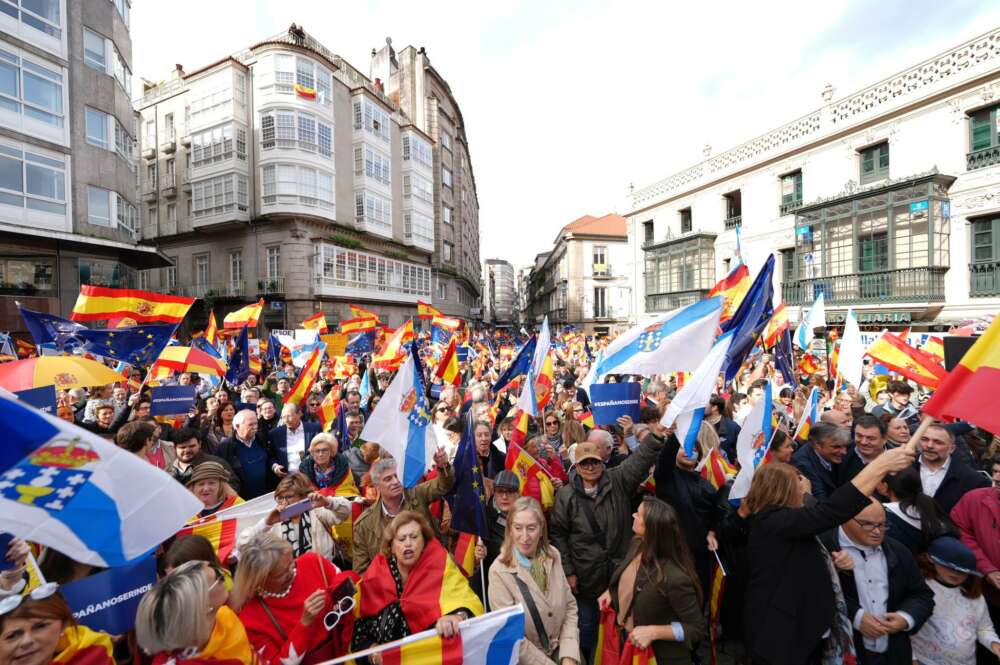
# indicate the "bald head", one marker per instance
pixel 604 441
pixel 868 527
pixel 834 417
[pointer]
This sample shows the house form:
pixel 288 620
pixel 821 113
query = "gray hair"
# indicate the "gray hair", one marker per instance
pixel 174 615
pixel 825 433
pixel 290 407
pixel 601 436
pixel 328 439
pixel 258 557
pixel 380 467
pixel 655 387
pixel 242 416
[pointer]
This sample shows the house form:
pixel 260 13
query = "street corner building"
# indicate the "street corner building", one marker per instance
pixel 911 240
pixel 68 155
pixel 284 173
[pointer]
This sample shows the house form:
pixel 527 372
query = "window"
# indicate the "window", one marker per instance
pixel 170 276
pixel 98 206
pixel 273 262
pixel 235 268
pixel 647 231
pixel 791 192
pixel 288 183
pixel 600 302
pixel 289 129
pixel 30 89
pixel 373 211
pixel 143 280
pixel 212 97
pixel 445 140
pixel 94 50
pixel 168 127
pixel 446 177
pixel 123 10
pixel 372 118
pixel 99 272
pixel 419 228
pixel 875 163
pixel 97 128
pixel 27 275
pixel 125 145
pixel 600 264
pixel 216 145
pixel 448 251
pixel 153 216
pixel 127 215
pixel 33 181
pixel 150 133
pixel 686 220
pixel 302 77
pixel 151 177
pixel 42 15
pixel 376 165
pixel 983 129
pixel 787 266
pixel 121 72
pixel 201 270
pixel 446 214
pixel 734 207
pixel 338 267
pixel 442 293
pixel 172 215
pixel 419 187
pixel 417 150
pixel 218 195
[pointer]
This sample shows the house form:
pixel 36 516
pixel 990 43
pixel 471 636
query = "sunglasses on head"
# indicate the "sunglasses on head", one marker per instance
pixel 11 603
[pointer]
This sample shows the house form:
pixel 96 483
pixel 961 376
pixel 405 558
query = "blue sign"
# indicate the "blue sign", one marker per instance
pixel 462 352
pixel 108 601
pixel 610 401
pixel 946 209
pixel 43 399
pixel 918 206
pixel 172 400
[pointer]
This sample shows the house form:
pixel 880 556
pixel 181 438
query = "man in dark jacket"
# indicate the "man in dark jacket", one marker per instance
pixel 250 456
pixel 290 441
pixel 942 476
pixel 869 443
pixel 819 460
pixel 190 454
pixel 887 597
pixel 591 522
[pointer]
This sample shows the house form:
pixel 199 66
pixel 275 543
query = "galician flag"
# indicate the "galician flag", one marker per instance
pixel 753 443
pixel 687 409
pixel 815 319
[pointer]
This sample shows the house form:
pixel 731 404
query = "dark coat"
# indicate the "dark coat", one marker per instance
pixel 851 466
pixel 675 598
pixel 230 453
pixel 278 438
pixel 728 432
pixel 958 479
pixel 908 592
pixel 824 481
pixel 790 592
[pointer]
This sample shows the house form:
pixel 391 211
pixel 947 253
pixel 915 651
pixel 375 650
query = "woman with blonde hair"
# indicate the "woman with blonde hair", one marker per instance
pixel 529 571
pixel 310 531
pixel 185 617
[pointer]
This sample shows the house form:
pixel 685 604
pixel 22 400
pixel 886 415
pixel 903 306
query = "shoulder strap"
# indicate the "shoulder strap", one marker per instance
pixel 588 512
pixel 536 618
pixel 270 615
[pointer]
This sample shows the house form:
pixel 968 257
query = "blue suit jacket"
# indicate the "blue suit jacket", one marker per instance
pixel 279 440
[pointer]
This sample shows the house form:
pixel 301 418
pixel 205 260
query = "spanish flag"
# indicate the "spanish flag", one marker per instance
pixel 732 288
pixel 586 419
pixel 633 655
pixel 535 481
pixel 362 313
pixel 227 645
pixel 465 552
pixel 100 303
pixel 776 327
pixel 934 347
pixel 809 364
pixel 316 322
pixel 79 645
pixel 189 359
pixel 358 325
pixel 900 357
pixel 425 311
pixel 393 352
pixel 447 369
pixel 307 377
pixel 717 470
pixel 435 587
pixel 212 329
pixel 328 409
pixel 219 530
pixel 969 390
pixel 245 316
pixel 544 382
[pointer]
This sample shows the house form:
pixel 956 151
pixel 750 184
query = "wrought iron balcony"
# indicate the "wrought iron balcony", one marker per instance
pixel 790 207
pixel 664 302
pixel 980 159
pixel 601 270
pixel 734 221
pixel 271 286
pixel 984 279
pixel 886 286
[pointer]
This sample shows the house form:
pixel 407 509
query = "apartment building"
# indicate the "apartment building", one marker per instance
pixel 282 172
pixel 583 281
pixel 499 297
pixel 911 239
pixel 68 154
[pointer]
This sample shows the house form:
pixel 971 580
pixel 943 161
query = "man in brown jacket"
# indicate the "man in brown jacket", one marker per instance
pixel 392 500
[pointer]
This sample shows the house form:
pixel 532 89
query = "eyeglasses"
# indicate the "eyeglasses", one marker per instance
pixel 219 577
pixel 332 618
pixel 11 603
pixel 590 463
pixel 550 423
pixel 871 526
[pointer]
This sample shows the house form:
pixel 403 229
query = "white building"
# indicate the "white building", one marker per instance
pixel 913 237
pixel 499 297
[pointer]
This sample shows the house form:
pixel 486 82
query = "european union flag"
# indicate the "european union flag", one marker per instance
pixel 750 318
pixel 440 335
pixel 138 345
pixel 363 342
pixel 273 352
pixel 783 357
pixel 239 361
pixel 468 497
pixel 520 365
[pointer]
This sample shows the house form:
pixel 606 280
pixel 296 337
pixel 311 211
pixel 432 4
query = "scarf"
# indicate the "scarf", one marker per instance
pixel 839 647
pixel 79 645
pixel 626 592
pixel 228 644
pixel 535 567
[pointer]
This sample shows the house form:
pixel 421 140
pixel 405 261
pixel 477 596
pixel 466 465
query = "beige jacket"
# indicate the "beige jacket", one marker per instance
pixel 323 521
pixel 557 608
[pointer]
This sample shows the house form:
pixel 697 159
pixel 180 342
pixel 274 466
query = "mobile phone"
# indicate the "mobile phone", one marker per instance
pixel 343 590
pixel 294 510
pixel 5 540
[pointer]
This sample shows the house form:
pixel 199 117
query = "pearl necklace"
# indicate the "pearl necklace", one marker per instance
pixel 279 594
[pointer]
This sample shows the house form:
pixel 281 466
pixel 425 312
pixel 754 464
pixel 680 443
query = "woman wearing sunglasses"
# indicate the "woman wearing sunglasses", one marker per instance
pixel 286 603
pixel 39 629
pixel 185 619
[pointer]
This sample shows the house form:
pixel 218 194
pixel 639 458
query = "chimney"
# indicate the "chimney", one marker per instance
pixel 379 86
pixel 178 72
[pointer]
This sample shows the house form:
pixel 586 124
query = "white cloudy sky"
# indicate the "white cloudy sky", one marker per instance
pixel 567 102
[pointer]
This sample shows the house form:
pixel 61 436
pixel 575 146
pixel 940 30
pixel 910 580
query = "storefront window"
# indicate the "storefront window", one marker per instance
pixel 27 275
pixel 98 272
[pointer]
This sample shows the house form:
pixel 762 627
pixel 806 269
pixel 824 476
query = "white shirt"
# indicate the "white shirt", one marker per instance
pixel 931 480
pixel 950 634
pixel 295 446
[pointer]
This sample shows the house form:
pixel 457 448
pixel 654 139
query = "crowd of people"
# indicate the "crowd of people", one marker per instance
pixel 850 543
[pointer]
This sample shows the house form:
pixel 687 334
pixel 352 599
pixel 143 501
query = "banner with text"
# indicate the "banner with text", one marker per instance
pixel 108 601
pixel 43 399
pixel 172 400
pixel 610 401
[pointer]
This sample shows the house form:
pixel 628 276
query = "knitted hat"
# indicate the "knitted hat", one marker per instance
pixel 207 471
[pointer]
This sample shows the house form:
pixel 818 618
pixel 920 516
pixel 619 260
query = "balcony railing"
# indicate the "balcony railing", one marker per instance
pixel 647 243
pixel 602 270
pixel 906 285
pixel 980 159
pixel 984 279
pixel 234 289
pixel 664 302
pixel 790 207
pixel 558 314
pixel 734 221
pixel 271 286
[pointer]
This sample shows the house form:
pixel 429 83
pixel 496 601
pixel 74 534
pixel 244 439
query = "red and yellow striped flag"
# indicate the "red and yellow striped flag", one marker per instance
pixel 733 287
pixel 776 326
pixel 714 610
pixel 717 470
pixel 633 655
pixel 220 532
pixel 465 552
pixel 447 369
pixel 189 359
pixel 426 311
pixel 307 377
pixel 362 313
pixel 392 354
pixel 316 322
pixel 358 325
pixel 79 645
pixel 969 390
pixel 212 329
pixel 328 409
pixel 912 363
pixel 100 303
pixel 245 316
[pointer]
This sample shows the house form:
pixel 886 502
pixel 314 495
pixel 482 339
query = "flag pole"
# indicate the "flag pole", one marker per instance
pixel 482 579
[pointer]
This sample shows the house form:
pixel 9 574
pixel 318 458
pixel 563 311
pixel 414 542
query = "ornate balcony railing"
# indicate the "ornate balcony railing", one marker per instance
pixel 664 302
pixel 734 221
pixel 905 285
pixel 790 207
pixel 271 286
pixel 980 159
pixel 984 279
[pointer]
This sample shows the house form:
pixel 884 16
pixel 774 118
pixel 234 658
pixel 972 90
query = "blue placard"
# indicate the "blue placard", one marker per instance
pixel 918 206
pixel 108 601
pixel 43 399
pixel 462 352
pixel 172 400
pixel 610 401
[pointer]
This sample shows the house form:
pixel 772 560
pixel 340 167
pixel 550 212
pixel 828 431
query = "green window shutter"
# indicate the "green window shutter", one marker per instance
pixel 982 126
